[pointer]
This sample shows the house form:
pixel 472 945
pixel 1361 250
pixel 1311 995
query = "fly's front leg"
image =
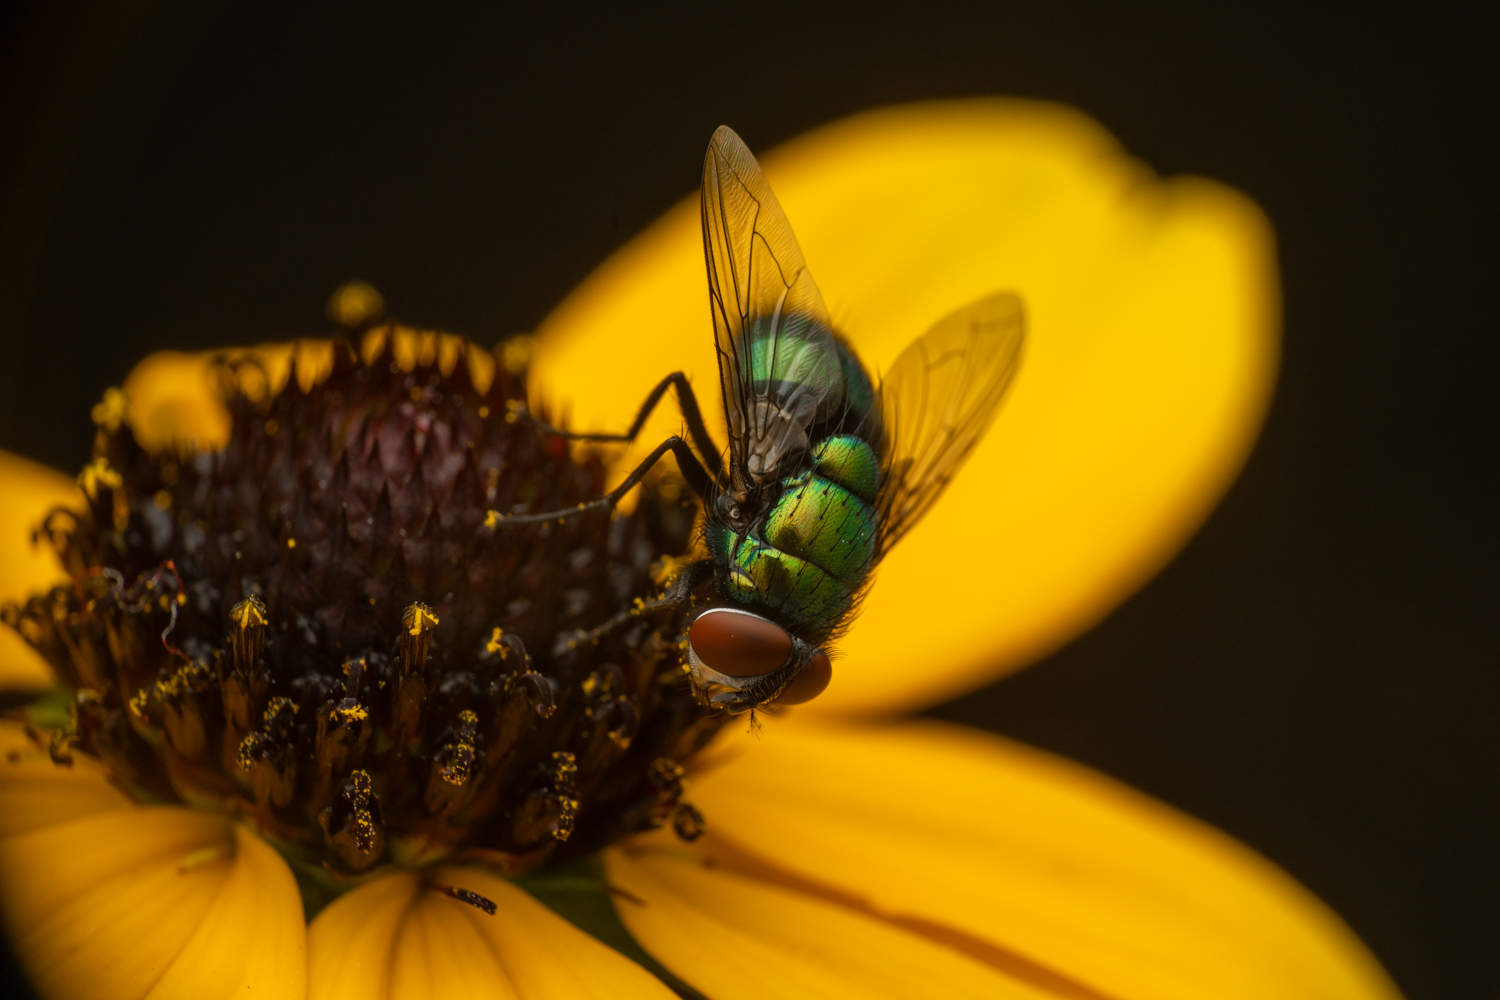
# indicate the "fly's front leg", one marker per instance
pixel 692 470
pixel 677 592
pixel 687 402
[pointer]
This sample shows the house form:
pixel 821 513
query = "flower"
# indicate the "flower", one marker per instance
pixel 842 856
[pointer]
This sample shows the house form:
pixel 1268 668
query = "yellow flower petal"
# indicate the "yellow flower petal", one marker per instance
pixel 253 940
pixel 1153 313
pixel 36 793
pixel 1051 873
pixel 159 901
pixel 30 491
pixel 397 937
pixel 175 399
pixel 711 926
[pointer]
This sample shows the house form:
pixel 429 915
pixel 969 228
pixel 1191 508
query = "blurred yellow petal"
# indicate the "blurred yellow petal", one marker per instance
pixel 29 491
pixel 36 793
pixel 1153 338
pixel 1049 872
pixel 399 937
pixel 109 905
pixel 253 940
pixel 175 399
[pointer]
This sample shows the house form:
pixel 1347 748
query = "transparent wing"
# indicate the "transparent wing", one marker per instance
pixel 778 364
pixel 936 402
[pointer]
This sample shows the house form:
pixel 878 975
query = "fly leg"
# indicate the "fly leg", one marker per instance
pixel 687 402
pixel 677 592
pixel 692 470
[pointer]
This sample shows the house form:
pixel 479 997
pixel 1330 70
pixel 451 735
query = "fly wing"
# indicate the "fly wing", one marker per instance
pixel 937 401
pixel 778 364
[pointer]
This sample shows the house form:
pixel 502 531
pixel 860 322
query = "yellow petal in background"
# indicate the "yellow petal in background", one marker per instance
pixel 28 491
pixel 403 938
pixel 1051 874
pixel 1153 319
pixel 175 399
pixel 164 902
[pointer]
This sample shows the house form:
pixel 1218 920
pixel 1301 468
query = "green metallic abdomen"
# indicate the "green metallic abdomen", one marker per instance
pixel 850 462
pixel 819 538
pixel 819 521
pixel 801 592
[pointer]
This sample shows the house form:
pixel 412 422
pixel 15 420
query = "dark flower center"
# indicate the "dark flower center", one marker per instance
pixel 315 627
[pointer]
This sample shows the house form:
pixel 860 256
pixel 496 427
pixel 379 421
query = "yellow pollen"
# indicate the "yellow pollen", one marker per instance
pixel 96 474
pixel 248 612
pixel 354 304
pixel 491 518
pixel 484 412
pixel 495 645
pixel 291 543
pixel 415 394
pixel 110 411
pixel 515 354
pixel 422 619
pixel 203 856
pixel 163 500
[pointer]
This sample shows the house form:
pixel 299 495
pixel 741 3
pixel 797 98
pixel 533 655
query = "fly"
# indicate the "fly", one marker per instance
pixel 825 471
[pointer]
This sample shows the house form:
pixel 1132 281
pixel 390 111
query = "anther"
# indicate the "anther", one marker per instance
pixel 353 825
pixel 280 715
pixel 417 626
pixel 449 782
pixel 183 699
pixel 343 726
pixel 564 775
pixel 242 686
pixel 248 640
pixel 687 822
pixel 666 774
pixel 59 744
pixel 272 768
pixel 474 899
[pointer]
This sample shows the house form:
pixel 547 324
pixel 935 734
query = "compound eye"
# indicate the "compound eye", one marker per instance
pixel 739 644
pixel 810 683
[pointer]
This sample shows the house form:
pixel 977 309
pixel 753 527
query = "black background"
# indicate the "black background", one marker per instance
pixel 1316 673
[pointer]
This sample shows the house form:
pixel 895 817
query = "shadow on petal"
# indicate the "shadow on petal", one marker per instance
pixel 405 937
pixel 1052 875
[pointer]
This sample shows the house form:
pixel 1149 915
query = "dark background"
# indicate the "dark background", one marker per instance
pixel 1315 674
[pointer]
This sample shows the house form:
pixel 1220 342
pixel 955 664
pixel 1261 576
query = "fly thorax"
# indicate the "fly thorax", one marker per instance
pixel 775 434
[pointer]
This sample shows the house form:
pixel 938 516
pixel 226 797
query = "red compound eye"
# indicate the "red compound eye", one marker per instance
pixel 810 683
pixel 738 644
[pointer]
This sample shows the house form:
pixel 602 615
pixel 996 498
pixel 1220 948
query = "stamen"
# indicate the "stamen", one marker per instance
pixel 563 778
pixel 474 899
pixel 343 727
pixel 249 638
pixel 688 822
pixel 353 826
pixel 417 625
pixel 256 629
